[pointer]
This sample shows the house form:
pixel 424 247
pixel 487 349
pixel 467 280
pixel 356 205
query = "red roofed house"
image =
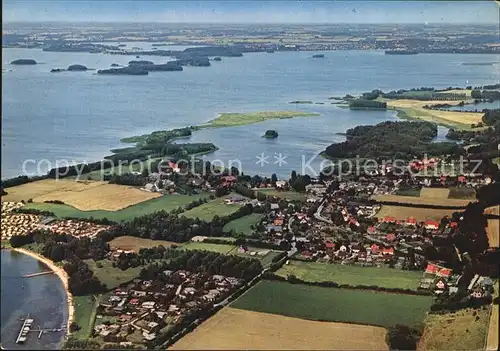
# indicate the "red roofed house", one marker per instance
pixel 432 225
pixel 440 284
pixel 391 237
pixel 388 219
pixel 462 179
pixel 371 230
pixel 411 221
pixel 431 268
pixel 444 272
pixel 330 247
pixel 453 225
pixel 228 180
pixel 388 251
pixel 374 248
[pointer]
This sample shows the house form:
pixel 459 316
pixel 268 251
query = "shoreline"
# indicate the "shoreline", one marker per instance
pixel 62 275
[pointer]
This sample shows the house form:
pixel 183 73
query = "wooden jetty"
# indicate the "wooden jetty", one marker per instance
pixel 37 274
pixel 21 338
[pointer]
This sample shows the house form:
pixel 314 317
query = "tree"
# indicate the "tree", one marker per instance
pixel 274 178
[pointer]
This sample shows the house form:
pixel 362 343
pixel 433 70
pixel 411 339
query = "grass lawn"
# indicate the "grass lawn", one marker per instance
pixel 335 305
pixel 166 203
pixel 243 224
pixel 85 309
pixel 239 119
pixel 408 192
pixel 216 207
pixel 112 276
pixel 290 195
pixel 463 330
pixel 220 248
pixel 352 275
pixel 135 244
pixel 265 260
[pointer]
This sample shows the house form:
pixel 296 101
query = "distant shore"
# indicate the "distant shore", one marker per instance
pixel 63 276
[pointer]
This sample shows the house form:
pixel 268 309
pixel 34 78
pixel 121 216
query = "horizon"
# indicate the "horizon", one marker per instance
pixel 252 12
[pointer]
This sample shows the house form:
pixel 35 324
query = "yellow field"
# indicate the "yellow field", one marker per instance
pixel 234 329
pixel 455 331
pixel 415 109
pixel 437 200
pixel 131 243
pixel 421 214
pixel 467 92
pixel 493 229
pixel 435 193
pixel 492 341
pixel 83 195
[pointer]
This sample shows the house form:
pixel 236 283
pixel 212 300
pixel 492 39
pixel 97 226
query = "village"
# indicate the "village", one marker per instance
pixel 376 221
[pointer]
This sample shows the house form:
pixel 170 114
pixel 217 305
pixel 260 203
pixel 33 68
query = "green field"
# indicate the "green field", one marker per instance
pixel 166 203
pixel 240 119
pixel 207 211
pixel 264 260
pixel 112 276
pixel 220 248
pixel 335 305
pixel 462 193
pixel 85 308
pixel 290 195
pixel 352 275
pixel 243 225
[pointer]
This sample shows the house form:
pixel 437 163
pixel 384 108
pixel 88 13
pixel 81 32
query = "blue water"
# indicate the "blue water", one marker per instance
pixel 476 107
pixel 79 116
pixel 42 297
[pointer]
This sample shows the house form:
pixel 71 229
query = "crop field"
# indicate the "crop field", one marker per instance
pixel 413 109
pixel 238 119
pixel 235 329
pixel 462 193
pixel 335 305
pixel 424 200
pixel 421 214
pixel 212 208
pixel 244 224
pixel 463 330
pixel 220 248
pixel 165 203
pixel 493 229
pixel 492 341
pixel 132 243
pixel 352 275
pixel 265 256
pixel 43 187
pixel 108 197
pixel 435 193
pixel 112 276
pixel 290 195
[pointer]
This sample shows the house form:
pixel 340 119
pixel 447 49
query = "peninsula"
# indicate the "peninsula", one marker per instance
pixel 240 119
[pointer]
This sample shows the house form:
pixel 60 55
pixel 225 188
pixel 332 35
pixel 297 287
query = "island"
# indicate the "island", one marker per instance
pixel 301 102
pixel 217 58
pixel 134 71
pixel 115 65
pixel 318 56
pixel 270 134
pixel 149 66
pixel 362 104
pixel 24 62
pixel 72 68
pixel 77 68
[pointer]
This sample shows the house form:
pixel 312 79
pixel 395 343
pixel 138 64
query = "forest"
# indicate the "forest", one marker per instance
pixel 403 140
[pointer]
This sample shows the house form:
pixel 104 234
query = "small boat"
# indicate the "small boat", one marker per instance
pixel 318 56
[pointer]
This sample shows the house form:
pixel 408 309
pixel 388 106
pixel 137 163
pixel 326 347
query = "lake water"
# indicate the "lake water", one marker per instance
pixel 42 297
pixel 476 107
pixel 79 116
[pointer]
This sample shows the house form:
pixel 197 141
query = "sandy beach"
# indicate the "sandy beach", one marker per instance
pixel 61 274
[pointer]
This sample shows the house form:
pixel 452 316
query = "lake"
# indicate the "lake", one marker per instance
pixel 80 116
pixel 42 297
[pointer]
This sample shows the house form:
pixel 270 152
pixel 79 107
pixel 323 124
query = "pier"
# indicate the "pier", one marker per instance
pixel 37 274
pixel 26 328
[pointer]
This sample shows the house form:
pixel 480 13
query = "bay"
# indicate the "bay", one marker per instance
pixel 80 116
pixel 42 297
